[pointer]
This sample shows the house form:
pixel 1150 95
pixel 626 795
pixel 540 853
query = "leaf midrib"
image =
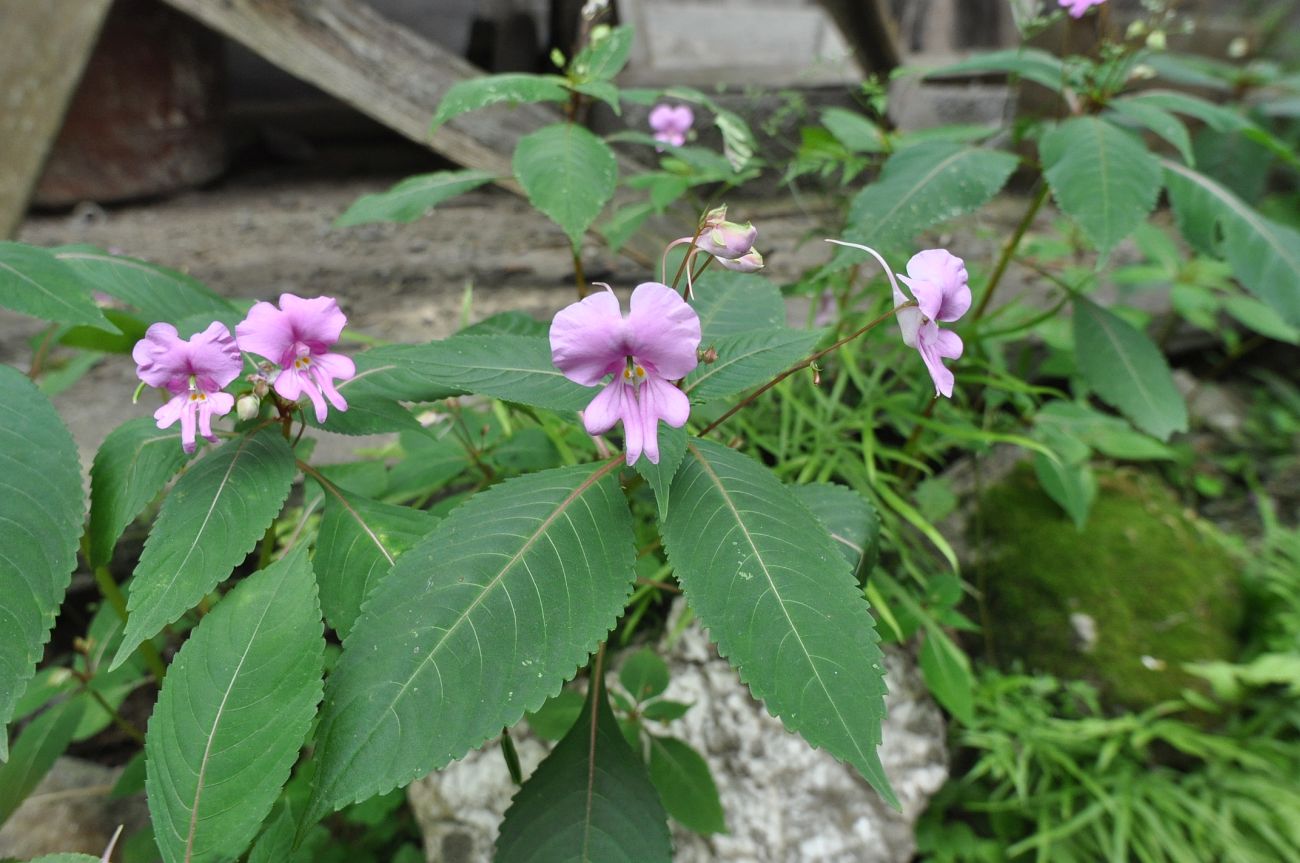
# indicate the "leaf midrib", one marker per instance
pixel 81 313
pixel 1117 346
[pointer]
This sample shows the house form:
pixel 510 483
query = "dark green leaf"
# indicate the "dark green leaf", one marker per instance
pixel 748 360
pixel 589 801
pixel 1032 64
pixel 41 511
pixel 412 198
pixel 780 602
pixel 508 323
pixel 553 719
pixel 366 415
pixel 568 173
pixel 476 624
pixel 732 304
pixel 131 781
pixel 1127 370
pixel 35 752
pixel 623 223
pixel 644 675
pixel 208 524
pixel 233 713
pixel 356 546
pixel 1103 178
pixel 34 282
pixel 850 518
pixel 157 293
pixel 685 785
pixel 476 93
pixel 131 467
pixel 947 672
pixel 672 446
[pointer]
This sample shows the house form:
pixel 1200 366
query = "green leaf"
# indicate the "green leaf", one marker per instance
pixel 382 373
pixel 41 510
pixel 850 518
pixel 663 710
pixel 513 368
pixel 619 227
pixel 476 624
pixel 208 524
pixel 919 187
pixel 568 173
pixel 357 543
pixel 1032 64
pixel 67 858
pixel 412 198
pixel 366 415
pixel 553 719
pixel 476 93
pixel 780 601
pixel 686 786
pixel 35 752
pixel 589 801
pixel 854 131
pixel 732 304
pixel 1261 318
pixel 602 90
pixel 672 446
pixel 1264 255
pixel 1107 434
pixel 1103 178
pixel 33 282
pixel 1127 370
pixel 233 714
pixel 947 673
pixel 644 675
pixel 748 360
pixel 1160 122
pixel 508 323
pixel 605 57
pixel 157 293
pixel 1071 484
pixel 131 467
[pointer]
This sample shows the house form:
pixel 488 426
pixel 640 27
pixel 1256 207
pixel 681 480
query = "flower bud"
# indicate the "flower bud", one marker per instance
pixel 728 240
pixel 247 407
pixel 708 356
pixel 715 217
pixel 750 262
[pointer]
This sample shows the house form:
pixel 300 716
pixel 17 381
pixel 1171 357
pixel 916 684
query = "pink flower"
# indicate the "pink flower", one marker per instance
pixel 654 345
pixel 938 282
pixel 194 372
pixel 1076 8
pixel 297 337
pixel 670 123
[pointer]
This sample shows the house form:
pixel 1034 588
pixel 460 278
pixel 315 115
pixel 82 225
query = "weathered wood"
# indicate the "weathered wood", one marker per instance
pixel 44 47
pixel 387 72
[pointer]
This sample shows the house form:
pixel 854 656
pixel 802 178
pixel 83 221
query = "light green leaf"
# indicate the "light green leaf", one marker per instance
pixel 66 858
pixel 1103 178
pixel 850 518
pixel 1109 435
pixel 513 368
pixel 644 674
pixel 233 713
pixel 412 198
pixel 478 623
pixel 619 227
pixel 357 543
pixel 1160 122
pixel 920 187
pixel 41 510
pixel 781 603
pixel 33 282
pixel 686 786
pixel 1071 484
pixel 1261 318
pixel 131 467
pixel 156 293
pixel 604 57
pixel 476 93
pixel 1032 64
pixel 208 524
pixel 1127 370
pixel 854 131
pixel 568 173
pixel 589 801
pixel 35 752
pixel 1264 255
pixel 947 673
pixel 731 304
pixel 602 90
pixel 748 360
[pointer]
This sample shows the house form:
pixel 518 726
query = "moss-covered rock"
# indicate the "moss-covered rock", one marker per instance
pixel 1124 603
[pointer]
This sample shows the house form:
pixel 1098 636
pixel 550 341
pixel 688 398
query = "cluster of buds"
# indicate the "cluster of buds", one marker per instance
pixel 731 243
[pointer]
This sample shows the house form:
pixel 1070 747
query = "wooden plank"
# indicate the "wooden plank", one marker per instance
pixel 389 73
pixel 44 47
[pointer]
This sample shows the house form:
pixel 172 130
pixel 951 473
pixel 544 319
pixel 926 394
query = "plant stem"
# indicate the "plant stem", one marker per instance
pixel 42 351
pixel 110 591
pixel 802 364
pixel 118 719
pixel 579 277
pixel 1009 249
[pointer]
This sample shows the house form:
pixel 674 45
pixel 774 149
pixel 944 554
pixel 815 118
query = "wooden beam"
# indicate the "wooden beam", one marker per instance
pixel 44 47
pixel 389 73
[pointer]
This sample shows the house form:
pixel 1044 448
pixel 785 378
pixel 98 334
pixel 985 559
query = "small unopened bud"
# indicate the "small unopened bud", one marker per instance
pixel 715 217
pixel 1238 47
pixel 817 375
pixel 708 355
pixel 1142 72
pixel 728 240
pixel 1136 29
pixel 247 407
pixel 750 262
pixel 1156 40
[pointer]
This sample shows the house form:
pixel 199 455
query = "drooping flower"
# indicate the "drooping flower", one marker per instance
pixel 938 282
pixel 297 336
pixel 670 123
pixel 194 371
pixel 730 243
pixel 1076 8
pixel 654 345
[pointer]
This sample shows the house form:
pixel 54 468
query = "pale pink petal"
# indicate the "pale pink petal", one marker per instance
pixel 948 344
pixel 187 425
pixel 587 339
pixel 909 320
pixel 671 404
pixel 317 321
pixel 682 118
pixel 947 296
pixel 214 357
pixel 663 331
pixel 161 356
pixel 317 397
pixel 636 429
pixel 608 407
pixel 220 404
pixel 267 332
pixel 328 389
pixel 647 422
pixel 929 297
pixel 339 367
pixel 204 411
pixel 289 383
pixel 928 342
pixel 168 414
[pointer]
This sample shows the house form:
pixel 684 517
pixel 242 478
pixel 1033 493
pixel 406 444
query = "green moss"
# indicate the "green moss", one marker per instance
pixel 1151 583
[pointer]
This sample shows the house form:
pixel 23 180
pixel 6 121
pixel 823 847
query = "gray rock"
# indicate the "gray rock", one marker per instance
pixel 784 801
pixel 70 812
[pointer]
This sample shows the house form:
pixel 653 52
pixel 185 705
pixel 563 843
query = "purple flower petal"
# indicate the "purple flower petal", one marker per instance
pixel 161 356
pixel 938 279
pixel 318 322
pixel 935 345
pixel 587 339
pixel 663 331
pixel 267 332
pixel 214 357
pixel 608 408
